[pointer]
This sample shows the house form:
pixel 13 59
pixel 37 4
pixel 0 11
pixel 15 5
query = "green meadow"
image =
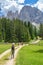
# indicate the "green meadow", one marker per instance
pixel 30 55
pixel 4 47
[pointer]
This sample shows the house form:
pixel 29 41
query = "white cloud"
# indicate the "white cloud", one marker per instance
pixel 20 7
pixel 21 1
pixel 7 4
pixel 39 5
pixel 41 1
pixel 10 4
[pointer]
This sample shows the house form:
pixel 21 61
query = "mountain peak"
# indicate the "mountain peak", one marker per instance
pixel 27 13
pixel 31 14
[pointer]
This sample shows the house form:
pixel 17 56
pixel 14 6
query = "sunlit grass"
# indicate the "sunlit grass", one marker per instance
pixel 40 43
pixel 4 47
pixel 30 55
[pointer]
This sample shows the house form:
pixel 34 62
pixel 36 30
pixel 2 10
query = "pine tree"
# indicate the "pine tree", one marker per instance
pixel 31 30
pixel 41 31
pixel 35 32
pixel 0 31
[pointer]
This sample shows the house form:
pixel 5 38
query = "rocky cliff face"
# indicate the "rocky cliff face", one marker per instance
pixel 28 13
pixel 31 14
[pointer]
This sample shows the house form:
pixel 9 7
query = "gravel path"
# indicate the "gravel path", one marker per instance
pixel 7 51
pixel 35 42
pixel 4 53
pixel 12 61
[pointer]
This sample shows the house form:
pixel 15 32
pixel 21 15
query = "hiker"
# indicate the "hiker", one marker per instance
pixel 12 50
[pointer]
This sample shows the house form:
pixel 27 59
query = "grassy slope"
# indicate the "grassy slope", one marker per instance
pixel 4 47
pixel 40 43
pixel 30 55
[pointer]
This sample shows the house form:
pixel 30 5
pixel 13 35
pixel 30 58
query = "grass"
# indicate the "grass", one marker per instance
pixel 4 47
pixel 30 55
pixel 6 57
pixel 40 43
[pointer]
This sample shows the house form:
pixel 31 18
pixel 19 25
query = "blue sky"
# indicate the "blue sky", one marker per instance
pixel 30 2
pixel 14 5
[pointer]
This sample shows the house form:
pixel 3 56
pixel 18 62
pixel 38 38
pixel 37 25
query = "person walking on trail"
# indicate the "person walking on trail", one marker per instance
pixel 12 50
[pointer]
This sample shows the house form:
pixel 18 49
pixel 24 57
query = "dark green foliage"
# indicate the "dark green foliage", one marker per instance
pixel 31 30
pixel 0 31
pixel 3 21
pixel 16 30
pixel 41 31
pixel 35 32
pixel 21 31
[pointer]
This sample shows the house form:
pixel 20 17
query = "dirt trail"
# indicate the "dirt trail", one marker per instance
pixel 12 61
pixel 7 51
pixel 4 53
pixel 35 42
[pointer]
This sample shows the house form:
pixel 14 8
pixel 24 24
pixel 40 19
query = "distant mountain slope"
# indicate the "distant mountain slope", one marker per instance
pixel 11 15
pixel 27 13
pixel 31 14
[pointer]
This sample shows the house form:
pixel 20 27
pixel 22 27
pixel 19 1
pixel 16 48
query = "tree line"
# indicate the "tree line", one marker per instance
pixel 41 30
pixel 17 30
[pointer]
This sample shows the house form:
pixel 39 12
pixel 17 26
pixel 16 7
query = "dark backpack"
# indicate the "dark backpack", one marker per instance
pixel 12 47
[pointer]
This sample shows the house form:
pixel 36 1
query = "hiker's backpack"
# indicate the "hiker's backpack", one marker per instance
pixel 12 47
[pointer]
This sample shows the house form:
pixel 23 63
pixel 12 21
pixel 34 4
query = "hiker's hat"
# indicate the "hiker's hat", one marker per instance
pixel 12 43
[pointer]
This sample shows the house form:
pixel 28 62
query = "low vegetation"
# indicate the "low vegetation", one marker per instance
pixel 40 43
pixel 16 31
pixel 4 47
pixel 30 55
